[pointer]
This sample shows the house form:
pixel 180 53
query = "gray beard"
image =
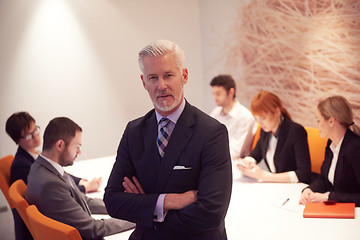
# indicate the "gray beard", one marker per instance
pixel 171 107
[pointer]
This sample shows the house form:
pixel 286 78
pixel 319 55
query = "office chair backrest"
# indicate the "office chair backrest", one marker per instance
pixel 5 165
pixel 256 137
pixel 46 228
pixel 17 195
pixel 317 146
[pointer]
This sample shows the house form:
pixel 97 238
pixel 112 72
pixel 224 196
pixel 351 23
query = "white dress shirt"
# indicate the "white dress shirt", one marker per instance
pixel 335 150
pixel 241 127
pixel 270 159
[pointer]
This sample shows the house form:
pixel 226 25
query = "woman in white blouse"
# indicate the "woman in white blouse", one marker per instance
pixel 339 179
pixel 282 145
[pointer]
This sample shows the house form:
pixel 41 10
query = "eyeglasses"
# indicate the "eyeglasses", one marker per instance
pixel 29 136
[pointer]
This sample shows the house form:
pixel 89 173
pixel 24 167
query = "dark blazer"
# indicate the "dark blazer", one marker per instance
pixel 346 186
pixel 55 198
pixel 200 144
pixel 20 168
pixel 292 150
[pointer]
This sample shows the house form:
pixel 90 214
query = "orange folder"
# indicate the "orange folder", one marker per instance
pixel 336 210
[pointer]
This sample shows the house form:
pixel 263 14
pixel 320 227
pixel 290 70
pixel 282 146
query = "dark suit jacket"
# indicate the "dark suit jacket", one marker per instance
pixel 200 144
pixel 55 198
pixel 292 150
pixel 346 186
pixel 20 168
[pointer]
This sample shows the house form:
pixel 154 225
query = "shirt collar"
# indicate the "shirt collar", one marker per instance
pixel 57 166
pixel 34 155
pixel 174 116
pixel 233 110
pixel 336 149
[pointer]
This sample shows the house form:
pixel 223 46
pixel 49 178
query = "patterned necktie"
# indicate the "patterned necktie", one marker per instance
pixel 163 136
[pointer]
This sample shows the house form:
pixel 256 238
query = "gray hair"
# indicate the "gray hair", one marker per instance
pixel 159 48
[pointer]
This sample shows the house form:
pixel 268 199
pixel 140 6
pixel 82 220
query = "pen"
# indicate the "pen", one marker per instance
pixel 285 201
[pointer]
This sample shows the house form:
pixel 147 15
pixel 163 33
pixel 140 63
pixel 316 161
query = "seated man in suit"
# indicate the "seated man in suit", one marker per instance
pixel 172 174
pixel 54 192
pixel 22 128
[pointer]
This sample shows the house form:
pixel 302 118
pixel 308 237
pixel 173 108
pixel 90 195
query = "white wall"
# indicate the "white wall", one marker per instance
pixel 217 26
pixel 78 59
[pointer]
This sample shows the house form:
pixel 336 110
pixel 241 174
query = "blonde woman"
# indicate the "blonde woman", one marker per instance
pixel 339 179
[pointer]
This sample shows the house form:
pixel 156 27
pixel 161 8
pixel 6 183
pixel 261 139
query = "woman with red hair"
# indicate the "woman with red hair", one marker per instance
pixel 282 145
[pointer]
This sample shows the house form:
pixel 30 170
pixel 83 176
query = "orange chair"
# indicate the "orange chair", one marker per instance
pixel 17 195
pixel 5 164
pixel 46 228
pixel 317 146
pixel 256 137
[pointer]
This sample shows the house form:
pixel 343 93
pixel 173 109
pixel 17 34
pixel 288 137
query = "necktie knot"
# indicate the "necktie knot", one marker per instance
pixel 163 136
pixel 164 122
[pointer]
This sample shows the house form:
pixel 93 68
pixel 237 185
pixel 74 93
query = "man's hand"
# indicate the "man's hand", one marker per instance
pixel 91 186
pixel 177 201
pixel 131 187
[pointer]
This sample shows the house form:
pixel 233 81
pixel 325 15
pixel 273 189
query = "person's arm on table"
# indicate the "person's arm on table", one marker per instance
pixel 250 169
pixel 308 196
pixel 91 186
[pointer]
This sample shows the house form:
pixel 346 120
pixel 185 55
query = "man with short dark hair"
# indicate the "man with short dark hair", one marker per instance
pixel 54 192
pixel 172 174
pixel 238 119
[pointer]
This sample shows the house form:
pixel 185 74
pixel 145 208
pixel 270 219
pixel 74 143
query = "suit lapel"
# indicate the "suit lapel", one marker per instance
pixel 74 193
pixel 265 148
pixel 149 136
pixel 281 138
pixel 326 164
pixel 150 166
pixel 341 159
pixel 179 139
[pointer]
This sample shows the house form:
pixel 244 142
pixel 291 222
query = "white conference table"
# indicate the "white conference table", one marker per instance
pixel 255 211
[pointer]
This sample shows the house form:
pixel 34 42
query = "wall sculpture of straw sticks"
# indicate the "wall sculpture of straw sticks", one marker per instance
pixel 302 50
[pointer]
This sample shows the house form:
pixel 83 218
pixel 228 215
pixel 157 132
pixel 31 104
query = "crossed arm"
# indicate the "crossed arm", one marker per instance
pixel 200 205
pixel 172 201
